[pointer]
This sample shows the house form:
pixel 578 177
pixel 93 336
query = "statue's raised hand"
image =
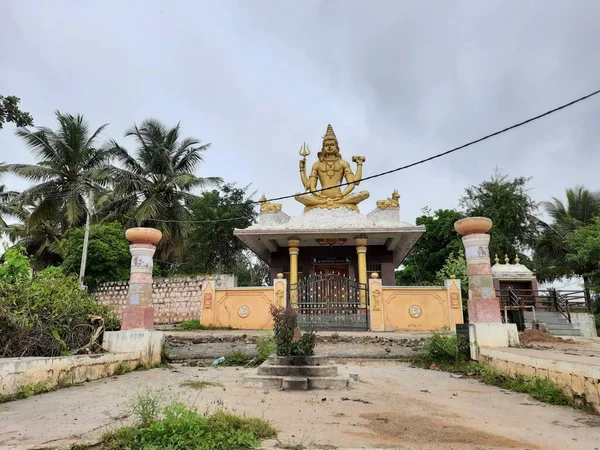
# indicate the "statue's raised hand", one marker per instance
pixel 302 164
pixel 359 160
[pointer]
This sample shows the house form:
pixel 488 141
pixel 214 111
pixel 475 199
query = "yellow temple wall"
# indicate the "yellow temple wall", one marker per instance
pixel 418 308
pixel 241 308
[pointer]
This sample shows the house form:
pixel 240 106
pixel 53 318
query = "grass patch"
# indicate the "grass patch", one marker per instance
pixel 122 368
pixel 182 428
pixel 196 325
pixel 264 348
pixel 543 390
pixel 200 384
pixel 236 358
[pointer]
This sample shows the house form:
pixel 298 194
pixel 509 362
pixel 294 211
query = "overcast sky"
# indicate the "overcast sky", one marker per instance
pixel 398 80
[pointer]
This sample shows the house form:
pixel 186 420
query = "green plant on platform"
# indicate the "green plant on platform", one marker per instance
pixel 285 324
pixel 182 428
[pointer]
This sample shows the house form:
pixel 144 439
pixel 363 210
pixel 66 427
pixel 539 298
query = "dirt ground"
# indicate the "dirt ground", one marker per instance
pixel 394 406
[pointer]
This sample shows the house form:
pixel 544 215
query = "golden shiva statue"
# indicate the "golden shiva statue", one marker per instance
pixel 330 171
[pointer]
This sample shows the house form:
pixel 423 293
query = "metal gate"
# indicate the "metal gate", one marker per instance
pixel 330 302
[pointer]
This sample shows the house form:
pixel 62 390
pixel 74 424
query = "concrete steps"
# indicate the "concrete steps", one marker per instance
pixel 557 324
pixel 299 373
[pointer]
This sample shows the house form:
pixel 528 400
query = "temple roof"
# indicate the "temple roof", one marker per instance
pixel 382 227
pixel 510 271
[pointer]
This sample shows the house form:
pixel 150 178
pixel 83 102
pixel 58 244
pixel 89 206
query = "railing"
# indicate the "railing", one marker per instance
pixel 564 302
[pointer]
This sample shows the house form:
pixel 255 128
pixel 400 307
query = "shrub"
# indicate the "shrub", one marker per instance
pixel 442 349
pixel 285 323
pixel 47 315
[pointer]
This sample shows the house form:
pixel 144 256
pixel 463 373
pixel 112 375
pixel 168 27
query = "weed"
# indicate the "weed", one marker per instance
pixel 265 348
pixel 122 368
pixel 200 384
pixel 442 349
pixel 32 389
pixel 236 358
pixel 182 428
pixel 196 325
pixel 146 406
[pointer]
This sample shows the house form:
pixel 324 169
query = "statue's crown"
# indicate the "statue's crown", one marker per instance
pixel 329 134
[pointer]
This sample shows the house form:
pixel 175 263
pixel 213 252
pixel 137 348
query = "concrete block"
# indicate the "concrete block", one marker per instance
pixel 492 335
pixel 294 384
pixel 328 382
pixel 263 382
pixel 578 384
pixel 298 371
pixel 147 343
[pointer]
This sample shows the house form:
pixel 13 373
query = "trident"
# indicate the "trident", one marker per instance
pixel 304 151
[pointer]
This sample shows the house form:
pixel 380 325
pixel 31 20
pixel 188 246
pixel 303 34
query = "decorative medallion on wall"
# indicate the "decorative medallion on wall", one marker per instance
pixel 415 311
pixel 243 311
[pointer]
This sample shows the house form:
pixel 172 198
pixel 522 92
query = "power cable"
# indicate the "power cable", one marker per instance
pixel 407 166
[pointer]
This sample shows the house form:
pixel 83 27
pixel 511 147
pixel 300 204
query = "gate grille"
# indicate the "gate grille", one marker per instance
pixel 330 302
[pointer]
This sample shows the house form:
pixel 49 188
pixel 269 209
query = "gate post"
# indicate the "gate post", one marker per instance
pixel 361 250
pixel 376 303
pixel 280 291
pixel 294 249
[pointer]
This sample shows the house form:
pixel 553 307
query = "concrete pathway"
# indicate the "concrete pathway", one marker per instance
pixel 394 406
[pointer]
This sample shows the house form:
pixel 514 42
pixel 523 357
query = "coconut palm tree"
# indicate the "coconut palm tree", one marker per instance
pixel 40 238
pixel 154 186
pixel 581 206
pixel 69 168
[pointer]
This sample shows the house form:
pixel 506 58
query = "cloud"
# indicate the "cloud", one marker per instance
pixel 398 80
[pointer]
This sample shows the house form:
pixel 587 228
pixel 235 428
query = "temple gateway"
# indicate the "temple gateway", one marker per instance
pixel 328 255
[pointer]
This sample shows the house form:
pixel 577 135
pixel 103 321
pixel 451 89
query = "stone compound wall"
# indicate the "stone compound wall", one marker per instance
pixel 174 299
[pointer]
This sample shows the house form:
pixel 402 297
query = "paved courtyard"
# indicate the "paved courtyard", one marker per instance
pixel 394 406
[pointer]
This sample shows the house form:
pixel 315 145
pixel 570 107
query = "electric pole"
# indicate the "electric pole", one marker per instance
pixel 86 238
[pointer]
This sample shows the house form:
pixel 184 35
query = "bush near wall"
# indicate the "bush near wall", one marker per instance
pixel 47 315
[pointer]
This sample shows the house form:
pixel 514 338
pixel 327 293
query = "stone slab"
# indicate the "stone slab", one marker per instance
pixel 298 371
pixel 147 343
pixel 263 382
pixel 294 384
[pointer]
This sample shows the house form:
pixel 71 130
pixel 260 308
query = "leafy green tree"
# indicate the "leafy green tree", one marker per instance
pixel 211 246
pixel 70 167
pixel 40 239
pixel 551 248
pixel 15 265
pixel 506 201
pixel 456 265
pixel 108 256
pixel 251 271
pixel 153 187
pixel 10 112
pixel 430 253
pixel 583 244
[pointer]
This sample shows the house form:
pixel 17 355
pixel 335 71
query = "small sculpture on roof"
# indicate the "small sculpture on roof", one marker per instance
pixel 391 202
pixel 266 206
